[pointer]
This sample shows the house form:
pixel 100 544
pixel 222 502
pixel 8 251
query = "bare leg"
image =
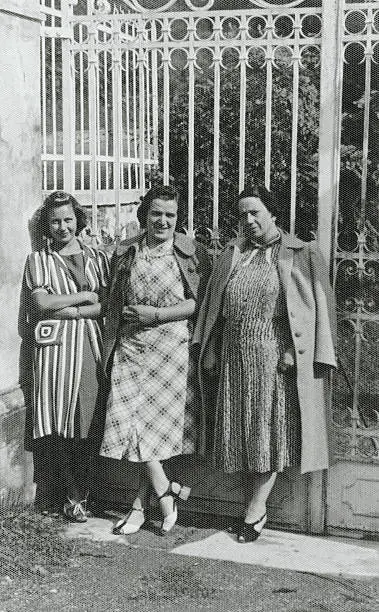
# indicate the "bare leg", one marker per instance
pixel 135 518
pixel 140 502
pixel 259 487
pixel 160 483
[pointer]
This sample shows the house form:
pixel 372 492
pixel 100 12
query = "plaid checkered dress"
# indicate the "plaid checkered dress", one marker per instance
pixel 151 410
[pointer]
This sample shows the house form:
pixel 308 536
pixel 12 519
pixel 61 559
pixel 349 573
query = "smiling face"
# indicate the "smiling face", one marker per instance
pixel 256 220
pixel 62 225
pixel 161 221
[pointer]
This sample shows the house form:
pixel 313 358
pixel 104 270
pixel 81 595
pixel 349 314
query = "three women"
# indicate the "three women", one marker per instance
pixel 265 335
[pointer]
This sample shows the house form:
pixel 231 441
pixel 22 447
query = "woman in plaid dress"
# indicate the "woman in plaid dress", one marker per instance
pixel 152 414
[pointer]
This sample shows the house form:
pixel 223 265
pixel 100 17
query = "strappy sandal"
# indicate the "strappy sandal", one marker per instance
pixel 125 527
pixel 250 532
pixel 183 493
pixel 75 511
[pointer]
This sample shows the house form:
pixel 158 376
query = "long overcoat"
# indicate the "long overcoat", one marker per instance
pixel 303 273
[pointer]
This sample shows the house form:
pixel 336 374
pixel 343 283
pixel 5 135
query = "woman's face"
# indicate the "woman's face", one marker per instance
pixel 256 220
pixel 62 224
pixel 161 221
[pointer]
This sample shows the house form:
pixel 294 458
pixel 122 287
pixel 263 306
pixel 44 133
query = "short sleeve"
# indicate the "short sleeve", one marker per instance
pixel 36 273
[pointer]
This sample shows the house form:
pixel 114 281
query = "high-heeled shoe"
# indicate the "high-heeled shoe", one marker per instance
pixel 250 532
pixel 170 519
pixel 125 527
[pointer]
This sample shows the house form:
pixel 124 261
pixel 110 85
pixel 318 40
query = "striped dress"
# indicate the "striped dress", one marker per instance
pixel 65 351
pixel 257 415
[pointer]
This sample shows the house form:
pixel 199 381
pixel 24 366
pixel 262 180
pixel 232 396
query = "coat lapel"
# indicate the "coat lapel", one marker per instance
pixel 285 260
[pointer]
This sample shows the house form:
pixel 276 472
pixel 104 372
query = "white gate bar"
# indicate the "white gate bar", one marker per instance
pixel 295 118
pixel 141 108
pixel 127 57
pixel 148 102
pixel 81 102
pixel 68 104
pixel 216 123
pixel 98 109
pixel 329 122
pixel 54 109
pixel 106 122
pixel 242 126
pixel 135 132
pixel 43 107
pixel 366 112
pixel 191 127
pixel 155 102
pixel 166 105
pixel 117 134
pixel 92 94
pixel 268 125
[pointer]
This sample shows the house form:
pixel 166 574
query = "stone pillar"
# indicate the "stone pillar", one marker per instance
pixel 20 165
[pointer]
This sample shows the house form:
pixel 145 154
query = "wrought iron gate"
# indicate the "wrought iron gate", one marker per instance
pixel 211 95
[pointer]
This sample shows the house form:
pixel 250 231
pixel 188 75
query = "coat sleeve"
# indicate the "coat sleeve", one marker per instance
pixel 326 326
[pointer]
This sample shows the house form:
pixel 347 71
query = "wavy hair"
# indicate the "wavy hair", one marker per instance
pixel 60 198
pixel 157 192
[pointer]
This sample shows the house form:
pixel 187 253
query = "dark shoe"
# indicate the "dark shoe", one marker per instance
pixel 125 527
pixel 249 532
pixel 75 511
pixel 176 491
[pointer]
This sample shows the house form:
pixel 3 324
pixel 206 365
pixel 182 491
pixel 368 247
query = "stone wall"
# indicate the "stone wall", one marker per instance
pixel 20 152
pixel 20 195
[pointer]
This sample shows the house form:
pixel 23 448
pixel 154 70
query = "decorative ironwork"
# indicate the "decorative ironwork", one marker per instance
pixel 356 391
pixel 110 74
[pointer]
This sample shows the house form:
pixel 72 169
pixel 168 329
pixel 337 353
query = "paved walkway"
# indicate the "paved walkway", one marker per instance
pixel 275 549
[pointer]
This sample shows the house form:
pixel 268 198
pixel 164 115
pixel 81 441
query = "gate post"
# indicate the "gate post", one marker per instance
pixel 330 120
pixel 328 177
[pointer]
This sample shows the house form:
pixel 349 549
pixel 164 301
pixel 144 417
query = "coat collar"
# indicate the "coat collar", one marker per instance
pixel 287 241
pixel 182 243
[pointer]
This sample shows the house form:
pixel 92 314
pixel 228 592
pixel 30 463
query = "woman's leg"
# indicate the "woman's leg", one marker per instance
pixel 258 489
pixel 160 484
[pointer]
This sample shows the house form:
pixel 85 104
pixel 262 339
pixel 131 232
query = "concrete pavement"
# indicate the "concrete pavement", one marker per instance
pixel 274 549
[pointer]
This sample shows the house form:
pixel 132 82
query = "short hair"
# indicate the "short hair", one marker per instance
pixel 157 192
pixel 56 199
pixel 257 190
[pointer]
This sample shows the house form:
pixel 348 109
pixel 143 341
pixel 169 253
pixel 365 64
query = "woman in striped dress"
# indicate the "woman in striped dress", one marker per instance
pixel 62 289
pixel 266 334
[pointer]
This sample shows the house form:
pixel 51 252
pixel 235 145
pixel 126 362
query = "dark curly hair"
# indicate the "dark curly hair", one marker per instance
pixel 157 192
pixel 60 198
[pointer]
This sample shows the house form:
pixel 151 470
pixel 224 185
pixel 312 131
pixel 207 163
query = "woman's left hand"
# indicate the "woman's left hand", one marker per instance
pixel 287 362
pixel 140 315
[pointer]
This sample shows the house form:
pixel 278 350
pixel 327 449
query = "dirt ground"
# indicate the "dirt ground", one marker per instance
pixel 142 575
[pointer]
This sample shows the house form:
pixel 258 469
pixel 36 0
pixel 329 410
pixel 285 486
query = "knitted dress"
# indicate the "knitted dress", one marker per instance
pixel 257 415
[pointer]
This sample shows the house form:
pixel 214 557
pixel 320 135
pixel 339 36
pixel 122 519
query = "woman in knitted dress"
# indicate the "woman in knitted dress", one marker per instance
pixel 265 330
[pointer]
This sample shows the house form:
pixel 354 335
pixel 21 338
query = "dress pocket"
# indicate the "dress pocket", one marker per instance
pixel 48 332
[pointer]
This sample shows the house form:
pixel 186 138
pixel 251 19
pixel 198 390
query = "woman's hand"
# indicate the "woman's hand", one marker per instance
pixel 287 362
pixel 144 316
pixel 89 297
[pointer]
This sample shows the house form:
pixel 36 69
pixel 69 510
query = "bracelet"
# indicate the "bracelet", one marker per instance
pixel 157 317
